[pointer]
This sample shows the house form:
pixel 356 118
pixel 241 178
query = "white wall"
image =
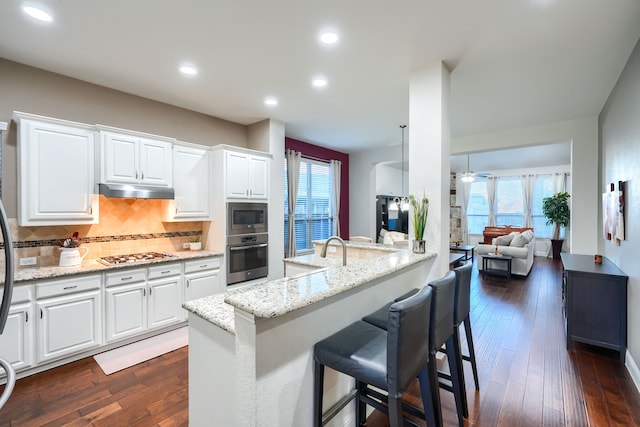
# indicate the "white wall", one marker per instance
pixel 388 180
pixel 362 188
pixel 583 134
pixel 620 140
pixel 268 136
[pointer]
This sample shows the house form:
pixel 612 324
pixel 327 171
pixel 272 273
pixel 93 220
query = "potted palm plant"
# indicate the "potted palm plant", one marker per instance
pixel 556 209
pixel 420 212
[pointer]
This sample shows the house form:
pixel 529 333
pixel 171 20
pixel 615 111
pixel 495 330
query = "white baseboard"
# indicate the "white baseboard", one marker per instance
pixel 632 367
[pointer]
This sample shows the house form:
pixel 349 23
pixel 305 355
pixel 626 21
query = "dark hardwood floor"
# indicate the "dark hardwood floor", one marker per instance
pixel 527 377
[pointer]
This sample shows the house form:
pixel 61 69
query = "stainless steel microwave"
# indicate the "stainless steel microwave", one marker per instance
pixel 246 218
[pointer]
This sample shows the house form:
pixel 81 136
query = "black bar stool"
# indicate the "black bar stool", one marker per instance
pixel 387 359
pixel 462 310
pixel 441 333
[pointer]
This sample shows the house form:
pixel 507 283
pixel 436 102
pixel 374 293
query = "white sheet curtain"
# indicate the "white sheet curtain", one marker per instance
pixel 528 182
pixel 335 167
pixel 293 178
pixel 491 199
pixel 560 182
pixel 465 190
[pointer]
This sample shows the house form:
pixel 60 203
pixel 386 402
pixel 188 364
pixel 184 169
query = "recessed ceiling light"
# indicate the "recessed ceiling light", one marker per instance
pixel 37 13
pixel 319 82
pixel 270 101
pixel 329 37
pixel 188 70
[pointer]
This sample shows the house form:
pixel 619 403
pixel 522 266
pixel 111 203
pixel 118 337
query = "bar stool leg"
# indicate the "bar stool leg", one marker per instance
pixel 427 398
pixel 435 389
pixel 395 411
pixel 472 353
pixel 318 390
pixel 361 408
pixel 455 378
pixel 458 360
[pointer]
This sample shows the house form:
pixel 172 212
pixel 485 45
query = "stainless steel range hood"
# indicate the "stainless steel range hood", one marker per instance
pixel 128 191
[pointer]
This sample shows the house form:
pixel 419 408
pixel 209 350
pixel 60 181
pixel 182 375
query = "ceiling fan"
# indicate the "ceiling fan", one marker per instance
pixel 470 176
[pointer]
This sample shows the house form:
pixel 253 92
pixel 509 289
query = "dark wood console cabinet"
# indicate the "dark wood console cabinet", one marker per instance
pixel 594 302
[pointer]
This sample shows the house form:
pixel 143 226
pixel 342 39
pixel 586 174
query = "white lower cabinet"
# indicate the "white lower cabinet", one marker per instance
pixel 54 320
pixel 69 317
pixel 126 311
pixel 202 278
pixel 17 344
pixel 165 296
pixel 141 299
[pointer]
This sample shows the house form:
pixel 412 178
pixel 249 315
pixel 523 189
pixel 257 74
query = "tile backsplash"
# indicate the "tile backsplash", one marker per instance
pixel 125 226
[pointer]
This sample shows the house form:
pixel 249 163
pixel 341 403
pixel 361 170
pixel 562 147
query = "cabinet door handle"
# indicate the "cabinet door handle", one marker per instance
pixel 142 175
pixel 26 317
pixel 90 210
pixel 204 266
pixel 66 288
pixel 165 272
pixel 136 174
pixel 144 292
pixel 41 313
pixel 150 291
pixel 188 282
pixel 126 278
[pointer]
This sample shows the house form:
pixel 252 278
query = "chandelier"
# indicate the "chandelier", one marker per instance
pixel 401 202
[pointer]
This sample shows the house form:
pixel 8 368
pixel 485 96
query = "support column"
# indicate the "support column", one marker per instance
pixel 429 149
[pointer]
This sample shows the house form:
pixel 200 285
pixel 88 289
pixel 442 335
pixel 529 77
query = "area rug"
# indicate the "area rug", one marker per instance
pixel 123 357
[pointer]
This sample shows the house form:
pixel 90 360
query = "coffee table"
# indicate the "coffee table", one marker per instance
pixel 463 248
pixel 488 265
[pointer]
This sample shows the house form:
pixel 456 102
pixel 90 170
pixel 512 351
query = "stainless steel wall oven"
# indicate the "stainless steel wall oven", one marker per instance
pixel 247 257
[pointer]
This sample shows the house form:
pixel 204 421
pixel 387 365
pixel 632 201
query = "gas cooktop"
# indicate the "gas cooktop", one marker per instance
pixel 132 258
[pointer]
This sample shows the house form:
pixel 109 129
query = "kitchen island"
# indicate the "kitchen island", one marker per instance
pixel 251 349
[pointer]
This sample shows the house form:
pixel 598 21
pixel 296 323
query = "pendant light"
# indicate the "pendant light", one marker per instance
pixel 401 202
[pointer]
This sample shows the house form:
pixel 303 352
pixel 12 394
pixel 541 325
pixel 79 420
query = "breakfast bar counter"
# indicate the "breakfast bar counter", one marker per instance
pixel 250 351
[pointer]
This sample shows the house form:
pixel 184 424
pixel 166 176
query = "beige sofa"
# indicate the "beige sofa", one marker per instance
pixel 520 246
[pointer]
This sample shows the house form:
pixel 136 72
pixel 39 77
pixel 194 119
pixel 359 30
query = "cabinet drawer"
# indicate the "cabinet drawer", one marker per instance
pixel 202 264
pixel 127 276
pixel 69 286
pixel 164 271
pixel 21 293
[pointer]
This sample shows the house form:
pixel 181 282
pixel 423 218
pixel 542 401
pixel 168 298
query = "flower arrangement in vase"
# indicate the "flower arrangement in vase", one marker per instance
pixel 420 213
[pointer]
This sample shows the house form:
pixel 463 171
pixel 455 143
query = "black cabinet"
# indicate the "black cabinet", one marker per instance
pixel 594 302
pixel 389 218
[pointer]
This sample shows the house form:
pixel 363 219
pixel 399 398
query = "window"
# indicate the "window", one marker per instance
pixel 509 202
pixel 313 214
pixel 542 188
pixel 478 207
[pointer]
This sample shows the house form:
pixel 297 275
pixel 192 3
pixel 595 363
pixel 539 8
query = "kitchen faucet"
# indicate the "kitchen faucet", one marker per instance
pixel 323 254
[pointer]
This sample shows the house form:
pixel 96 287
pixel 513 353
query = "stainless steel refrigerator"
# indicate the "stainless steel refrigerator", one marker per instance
pixel 6 282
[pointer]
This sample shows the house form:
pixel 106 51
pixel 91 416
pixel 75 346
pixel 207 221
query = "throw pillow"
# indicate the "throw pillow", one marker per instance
pixel 528 234
pixel 503 240
pixel 519 241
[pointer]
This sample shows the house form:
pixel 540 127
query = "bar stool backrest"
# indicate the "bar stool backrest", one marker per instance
pixel 442 303
pixel 463 292
pixel 407 340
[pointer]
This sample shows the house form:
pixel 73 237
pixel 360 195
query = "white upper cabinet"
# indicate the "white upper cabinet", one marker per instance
pixel 135 158
pixel 56 172
pixel 246 176
pixel 192 184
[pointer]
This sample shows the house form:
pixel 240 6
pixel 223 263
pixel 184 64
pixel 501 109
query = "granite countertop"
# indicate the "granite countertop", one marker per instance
pixel 213 309
pixel 93 266
pixel 282 296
